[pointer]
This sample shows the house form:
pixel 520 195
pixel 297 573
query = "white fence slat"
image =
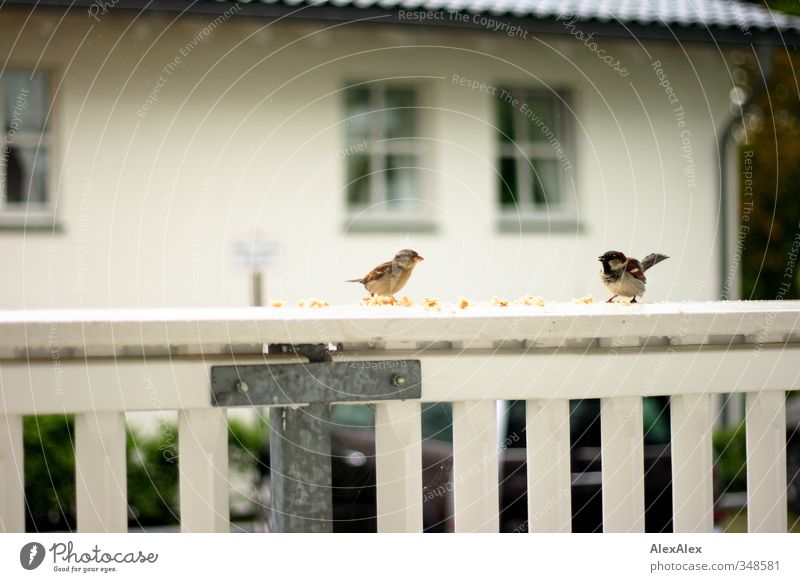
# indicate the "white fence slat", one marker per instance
pixel 101 472
pixel 765 415
pixel 692 474
pixel 203 470
pixel 622 464
pixel 398 455
pixel 548 456
pixel 12 483
pixel 475 466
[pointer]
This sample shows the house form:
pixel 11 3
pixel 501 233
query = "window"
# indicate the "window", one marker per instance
pixel 25 149
pixel 382 152
pixel 534 169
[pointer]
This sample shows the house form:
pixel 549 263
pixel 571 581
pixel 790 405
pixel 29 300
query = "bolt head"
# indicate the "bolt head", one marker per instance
pixel 399 380
pixel 242 386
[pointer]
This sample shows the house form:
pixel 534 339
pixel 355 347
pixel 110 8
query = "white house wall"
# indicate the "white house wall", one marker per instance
pixel 242 136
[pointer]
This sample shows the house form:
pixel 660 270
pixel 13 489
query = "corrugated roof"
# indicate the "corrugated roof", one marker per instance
pixel 704 20
pixel 703 13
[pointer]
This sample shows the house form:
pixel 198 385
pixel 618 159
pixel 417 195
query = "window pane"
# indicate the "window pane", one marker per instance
pixel 357 110
pixel 545 183
pixel 25 175
pixel 400 115
pixel 401 190
pixel 508 181
pixel 505 117
pixel 11 173
pixel 25 101
pixel 358 180
pixel 395 170
pixel 541 118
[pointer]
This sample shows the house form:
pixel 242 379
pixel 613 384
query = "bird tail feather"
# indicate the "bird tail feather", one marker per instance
pixel 354 281
pixel 652 259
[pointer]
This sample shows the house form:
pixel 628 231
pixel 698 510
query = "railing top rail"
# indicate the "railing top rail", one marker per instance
pixel 27 334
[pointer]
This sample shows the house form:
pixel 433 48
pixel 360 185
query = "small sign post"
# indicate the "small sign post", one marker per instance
pixel 257 254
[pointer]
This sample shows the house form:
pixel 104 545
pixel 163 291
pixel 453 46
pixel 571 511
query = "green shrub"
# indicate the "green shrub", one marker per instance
pixel 153 476
pixel 152 464
pixel 249 438
pixel 731 457
pixel 246 448
pixel 49 472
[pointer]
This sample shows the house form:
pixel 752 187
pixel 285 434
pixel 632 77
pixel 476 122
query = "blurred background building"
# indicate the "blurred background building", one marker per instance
pixel 153 156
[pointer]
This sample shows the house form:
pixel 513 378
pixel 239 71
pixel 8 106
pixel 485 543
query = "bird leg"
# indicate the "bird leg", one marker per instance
pixel 633 300
pixel 611 299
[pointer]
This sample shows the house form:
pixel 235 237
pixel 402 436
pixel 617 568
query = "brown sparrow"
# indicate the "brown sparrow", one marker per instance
pixel 390 277
pixel 625 275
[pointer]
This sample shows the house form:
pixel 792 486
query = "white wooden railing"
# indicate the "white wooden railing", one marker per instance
pixel 101 364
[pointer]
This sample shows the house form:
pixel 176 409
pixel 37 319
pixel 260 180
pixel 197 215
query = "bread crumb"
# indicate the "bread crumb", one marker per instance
pixel 463 303
pixel 531 300
pixel 498 302
pixel 313 302
pixel 380 300
pixel 587 299
pixel 405 302
pixel 432 304
pixel 277 302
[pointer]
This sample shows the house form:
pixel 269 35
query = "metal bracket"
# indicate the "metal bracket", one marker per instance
pixel 290 384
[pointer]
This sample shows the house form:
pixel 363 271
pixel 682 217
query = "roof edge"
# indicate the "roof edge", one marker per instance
pixel 378 16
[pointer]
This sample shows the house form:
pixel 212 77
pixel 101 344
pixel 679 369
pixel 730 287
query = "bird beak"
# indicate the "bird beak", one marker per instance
pixel 599 258
pixel 418 258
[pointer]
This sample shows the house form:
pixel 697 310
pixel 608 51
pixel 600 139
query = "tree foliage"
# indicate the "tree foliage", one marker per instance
pixel 769 141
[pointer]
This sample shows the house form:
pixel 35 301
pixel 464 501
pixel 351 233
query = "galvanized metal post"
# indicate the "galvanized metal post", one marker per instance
pixel 300 465
pixel 300 449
